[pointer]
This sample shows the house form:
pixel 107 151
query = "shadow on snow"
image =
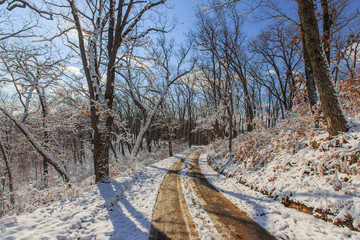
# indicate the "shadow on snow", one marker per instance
pixel 122 213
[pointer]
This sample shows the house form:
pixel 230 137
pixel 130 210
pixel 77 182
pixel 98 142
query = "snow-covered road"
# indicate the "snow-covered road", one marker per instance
pixel 123 210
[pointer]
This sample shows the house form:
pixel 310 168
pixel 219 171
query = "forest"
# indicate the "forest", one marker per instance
pixel 91 90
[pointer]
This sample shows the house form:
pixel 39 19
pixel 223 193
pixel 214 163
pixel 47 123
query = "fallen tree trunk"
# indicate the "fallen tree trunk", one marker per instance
pixel 41 150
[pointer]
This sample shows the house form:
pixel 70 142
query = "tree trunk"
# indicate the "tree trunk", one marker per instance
pixel 52 161
pixel 248 104
pixel 335 120
pixel 230 131
pixel 46 140
pixel 326 28
pixel 309 75
pixel 190 137
pixel 101 155
pixel 113 151
pixel 249 108
pixel 122 147
pixel 148 140
pixel 45 173
pixel 82 150
pixel 75 151
pixel 145 124
pixel 8 169
pixel 169 140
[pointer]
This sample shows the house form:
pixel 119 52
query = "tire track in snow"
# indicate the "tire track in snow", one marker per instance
pixel 171 218
pixel 203 212
pixel 229 220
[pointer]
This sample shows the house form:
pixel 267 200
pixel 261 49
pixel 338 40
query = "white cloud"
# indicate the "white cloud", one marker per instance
pixel 8 87
pixel 74 70
pixel 6 84
pixel 272 72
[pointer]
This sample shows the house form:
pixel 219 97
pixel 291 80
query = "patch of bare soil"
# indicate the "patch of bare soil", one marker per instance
pixel 171 218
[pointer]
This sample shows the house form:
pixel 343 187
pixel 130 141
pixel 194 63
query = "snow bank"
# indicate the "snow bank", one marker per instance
pixel 282 222
pixel 297 163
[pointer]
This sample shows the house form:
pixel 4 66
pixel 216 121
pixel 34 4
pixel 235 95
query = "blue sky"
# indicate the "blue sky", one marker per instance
pixel 184 11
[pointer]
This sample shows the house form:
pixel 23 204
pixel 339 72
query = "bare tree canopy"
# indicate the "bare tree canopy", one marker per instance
pixel 93 90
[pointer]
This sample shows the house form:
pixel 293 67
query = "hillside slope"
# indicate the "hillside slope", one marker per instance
pixel 300 166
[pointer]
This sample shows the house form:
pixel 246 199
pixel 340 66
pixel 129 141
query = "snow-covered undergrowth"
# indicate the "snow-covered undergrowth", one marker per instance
pixel 125 164
pixel 31 195
pixel 121 209
pixel 282 222
pixel 300 166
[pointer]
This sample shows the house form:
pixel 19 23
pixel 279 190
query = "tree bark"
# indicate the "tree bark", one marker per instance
pixel 190 137
pixel 169 133
pixel 326 28
pixel 148 140
pixel 113 150
pixel 8 169
pixel 122 147
pixel 101 141
pixel 309 75
pixel 44 111
pixel 145 124
pixel 101 156
pixel 335 120
pixel 230 132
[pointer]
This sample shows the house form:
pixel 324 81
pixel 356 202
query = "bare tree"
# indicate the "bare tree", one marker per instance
pixel 247 7
pixel 309 75
pixel 20 28
pixel 280 58
pixel 40 70
pixel 279 12
pixel 169 67
pixel 332 112
pixel 187 89
pixel 169 120
pixel 223 42
pixel 13 4
pixel 31 71
pixel 110 25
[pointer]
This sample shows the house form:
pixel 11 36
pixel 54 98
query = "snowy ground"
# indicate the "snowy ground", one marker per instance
pixel 120 210
pixel 123 209
pixel 299 163
pixel 282 222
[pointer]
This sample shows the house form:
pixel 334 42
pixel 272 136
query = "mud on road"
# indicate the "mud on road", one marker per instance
pixel 172 219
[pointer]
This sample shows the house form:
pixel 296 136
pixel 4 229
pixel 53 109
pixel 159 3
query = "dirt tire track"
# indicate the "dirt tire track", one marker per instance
pixel 171 217
pixel 229 220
